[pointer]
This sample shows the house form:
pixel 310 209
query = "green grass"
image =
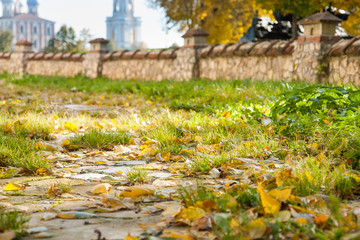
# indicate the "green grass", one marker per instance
pixel 314 131
pixel 139 176
pixel 13 221
pixel 102 140
pixel 197 95
pixel 20 152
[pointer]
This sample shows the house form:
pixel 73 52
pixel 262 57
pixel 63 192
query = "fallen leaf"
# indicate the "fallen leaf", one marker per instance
pixel 190 214
pixel 103 188
pixel 321 220
pixel 43 172
pixel 129 237
pixel 270 204
pixel 257 229
pixel 301 221
pixel 281 195
pixel 13 187
pixel 137 191
pixel 66 143
pixel 114 202
pixel 147 152
pixel 70 126
pixel 226 114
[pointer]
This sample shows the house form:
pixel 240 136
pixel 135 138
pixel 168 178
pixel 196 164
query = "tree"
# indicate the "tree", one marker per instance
pixel 84 39
pixel 225 20
pixel 6 38
pixel 66 39
pixel 352 24
pixel 298 9
pixel 304 8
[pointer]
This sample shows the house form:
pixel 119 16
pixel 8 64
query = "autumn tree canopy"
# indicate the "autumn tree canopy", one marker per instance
pixel 228 20
pixel 225 20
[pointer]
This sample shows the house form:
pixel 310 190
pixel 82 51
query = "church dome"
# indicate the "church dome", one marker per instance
pixel 32 2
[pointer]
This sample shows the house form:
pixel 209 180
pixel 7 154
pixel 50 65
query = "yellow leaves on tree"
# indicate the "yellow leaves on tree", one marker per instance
pixel 226 21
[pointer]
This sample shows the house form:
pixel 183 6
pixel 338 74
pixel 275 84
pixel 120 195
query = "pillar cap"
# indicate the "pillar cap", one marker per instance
pixel 195 32
pixel 320 17
pixel 99 40
pixel 23 43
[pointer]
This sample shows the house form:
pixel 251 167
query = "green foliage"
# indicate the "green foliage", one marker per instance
pixel 197 95
pixel 20 152
pixel 102 140
pixel 65 41
pixel 137 176
pixel 13 221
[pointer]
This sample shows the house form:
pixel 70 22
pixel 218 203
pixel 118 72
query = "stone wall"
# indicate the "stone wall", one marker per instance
pixel 177 64
pixel 344 62
pixel 61 64
pixel 306 59
pixel 262 61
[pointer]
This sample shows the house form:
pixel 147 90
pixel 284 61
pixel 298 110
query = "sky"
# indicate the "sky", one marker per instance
pixel 92 14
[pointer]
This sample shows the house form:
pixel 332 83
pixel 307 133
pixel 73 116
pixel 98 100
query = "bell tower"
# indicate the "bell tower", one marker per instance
pixel 8 8
pixel 123 27
pixel 123 8
pixel 33 6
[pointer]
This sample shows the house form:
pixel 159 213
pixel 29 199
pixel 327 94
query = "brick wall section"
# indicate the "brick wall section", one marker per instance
pixel 270 60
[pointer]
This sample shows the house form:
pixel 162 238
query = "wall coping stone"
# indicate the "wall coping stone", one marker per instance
pixel 345 47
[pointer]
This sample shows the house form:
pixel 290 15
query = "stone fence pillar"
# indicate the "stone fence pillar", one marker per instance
pixel 92 63
pixel 309 58
pixel 18 58
pixel 187 56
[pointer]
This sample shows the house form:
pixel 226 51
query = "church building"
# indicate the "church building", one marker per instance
pixel 26 26
pixel 123 27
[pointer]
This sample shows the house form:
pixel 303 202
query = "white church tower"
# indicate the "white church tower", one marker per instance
pixel 123 27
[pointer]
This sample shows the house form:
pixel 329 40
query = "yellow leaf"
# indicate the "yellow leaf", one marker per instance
pixel 175 235
pixel 137 191
pixel 226 114
pixel 103 188
pixel 354 176
pixel 100 163
pixel 257 229
pixel 97 125
pixel 13 187
pixel 129 237
pixel 147 152
pixel 66 142
pixel 270 204
pixel 8 128
pixel 321 220
pixel 70 126
pixel 43 172
pixel 300 209
pixel 190 214
pixel 281 195
pixel 198 139
pixel 301 221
